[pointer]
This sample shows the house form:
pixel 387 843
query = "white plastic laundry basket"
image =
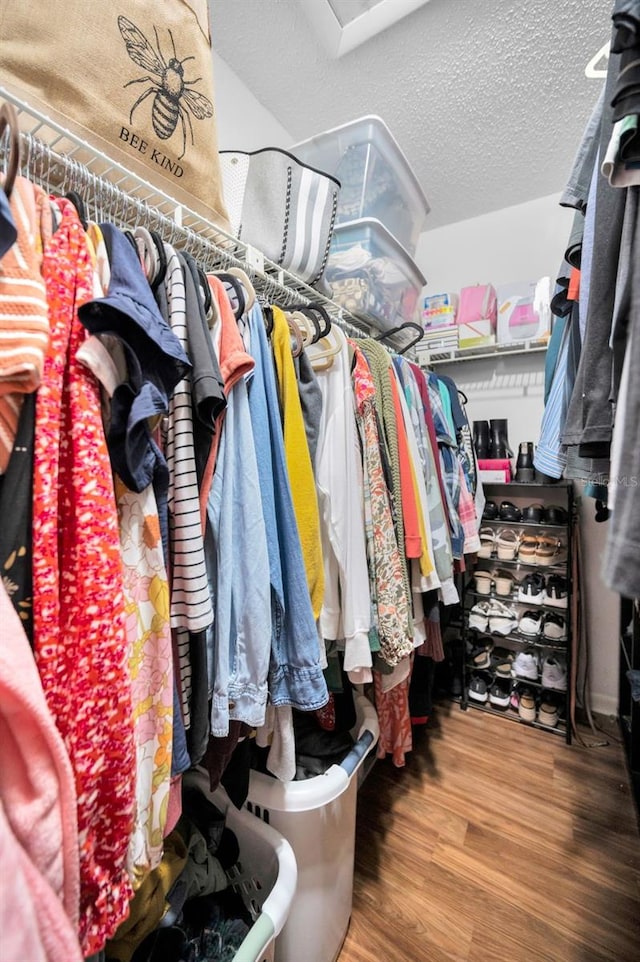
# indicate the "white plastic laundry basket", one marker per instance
pixel 264 876
pixel 318 818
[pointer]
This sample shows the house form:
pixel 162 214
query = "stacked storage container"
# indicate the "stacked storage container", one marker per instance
pixel 381 213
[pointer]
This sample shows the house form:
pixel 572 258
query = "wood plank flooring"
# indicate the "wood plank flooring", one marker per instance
pixel 496 842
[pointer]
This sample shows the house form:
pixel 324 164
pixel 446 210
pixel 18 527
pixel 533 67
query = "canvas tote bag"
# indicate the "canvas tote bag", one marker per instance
pixel 133 79
pixel 281 206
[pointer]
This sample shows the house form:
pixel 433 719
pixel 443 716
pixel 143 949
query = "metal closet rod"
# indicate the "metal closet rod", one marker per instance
pixel 58 171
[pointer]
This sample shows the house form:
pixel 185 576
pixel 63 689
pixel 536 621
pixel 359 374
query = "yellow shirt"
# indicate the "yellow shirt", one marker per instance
pixel 301 477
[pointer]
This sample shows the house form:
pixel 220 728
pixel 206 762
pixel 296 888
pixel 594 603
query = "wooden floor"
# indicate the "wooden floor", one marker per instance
pixel 496 842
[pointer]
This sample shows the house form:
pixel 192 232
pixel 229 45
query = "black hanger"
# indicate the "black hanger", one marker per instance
pixel 313 311
pixel 463 396
pixel 306 310
pixel 132 241
pixel 324 314
pixel 238 290
pixel 162 260
pixel 268 319
pixel 206 290
pixel 408 325
pixel 79 205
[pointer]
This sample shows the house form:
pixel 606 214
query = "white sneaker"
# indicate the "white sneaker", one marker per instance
pixel 555 627
pixel 557 591
pixel 526 665
pixel 531 590
pixel 530 623
pixel 502 620
pixel 479 616
pixel 554 673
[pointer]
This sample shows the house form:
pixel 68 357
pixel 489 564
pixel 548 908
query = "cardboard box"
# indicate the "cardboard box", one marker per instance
pixel 439 310
pixel 476 334
pixel 496 470
pixel 524 311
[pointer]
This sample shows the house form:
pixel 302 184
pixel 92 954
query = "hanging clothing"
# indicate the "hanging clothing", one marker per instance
pixel 303 488
pixel 240 646
pixel 78 609
pixel 24 322
pixel 379 362
pixel 37 791
pixel 295 675
pixel 146 597
pixel 346 608
pixel 386 567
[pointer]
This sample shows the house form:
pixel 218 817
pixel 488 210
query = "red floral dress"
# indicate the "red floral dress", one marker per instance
pixel 79 637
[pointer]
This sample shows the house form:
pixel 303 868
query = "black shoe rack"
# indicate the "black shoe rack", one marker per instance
pixel 522 495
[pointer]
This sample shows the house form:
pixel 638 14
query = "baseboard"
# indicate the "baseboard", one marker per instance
pixel 604 704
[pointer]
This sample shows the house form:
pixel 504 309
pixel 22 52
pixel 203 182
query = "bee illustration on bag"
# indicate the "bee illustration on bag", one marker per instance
pixel 172 100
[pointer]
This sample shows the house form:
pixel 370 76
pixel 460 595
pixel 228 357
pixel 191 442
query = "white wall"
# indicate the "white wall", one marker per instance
pixel 242 121
pixel 522 243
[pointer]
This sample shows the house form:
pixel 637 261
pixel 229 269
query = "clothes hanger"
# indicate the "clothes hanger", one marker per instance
pixel 148 253
pixel 232 281
pixel 162 260
pixel 80 207
pixel 267 313
pixel 324 314
pixel 249 289
pixel 463 396
pixel 315 311
pixel 322 353
pixel 206 290
pixel 309 327
pixel 408 325
pixel 9 118
pixel 298 346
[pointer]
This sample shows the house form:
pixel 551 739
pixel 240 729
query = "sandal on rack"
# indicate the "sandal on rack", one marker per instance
pixel 507 542
pixel 503 582
pixel 487 542
pixel 547 550
pixel 527 549
pixel 483 582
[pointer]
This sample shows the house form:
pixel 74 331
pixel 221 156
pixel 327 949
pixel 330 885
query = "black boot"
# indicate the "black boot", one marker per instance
pixel 499 442
pixel 481 440
pixel 525 470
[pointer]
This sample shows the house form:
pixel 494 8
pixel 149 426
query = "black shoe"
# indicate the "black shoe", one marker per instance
pixel 499 442
pixel 490 512
pixel 481 440
pixel 525 470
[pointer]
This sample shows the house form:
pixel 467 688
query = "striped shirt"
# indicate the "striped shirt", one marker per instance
pixel 24 317
pixel 191 607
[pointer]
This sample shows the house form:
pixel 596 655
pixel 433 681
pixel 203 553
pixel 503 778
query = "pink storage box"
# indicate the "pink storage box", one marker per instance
pixel 496 470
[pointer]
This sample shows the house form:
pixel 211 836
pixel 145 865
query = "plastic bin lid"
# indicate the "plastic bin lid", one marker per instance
pixel 388 244
pixel 333 144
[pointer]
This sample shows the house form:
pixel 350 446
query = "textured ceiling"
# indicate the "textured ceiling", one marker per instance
pixel 487 98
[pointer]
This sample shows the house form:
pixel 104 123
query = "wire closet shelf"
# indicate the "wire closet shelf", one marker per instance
pixel 59 161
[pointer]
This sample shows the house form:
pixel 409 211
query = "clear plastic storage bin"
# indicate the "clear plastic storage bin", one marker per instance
pixel 318 818
pixel 371 274
pixel 376 178
pixel 265 875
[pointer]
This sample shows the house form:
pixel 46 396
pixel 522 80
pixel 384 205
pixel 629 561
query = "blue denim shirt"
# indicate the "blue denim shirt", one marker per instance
pixel 239 665
pixel 295 676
